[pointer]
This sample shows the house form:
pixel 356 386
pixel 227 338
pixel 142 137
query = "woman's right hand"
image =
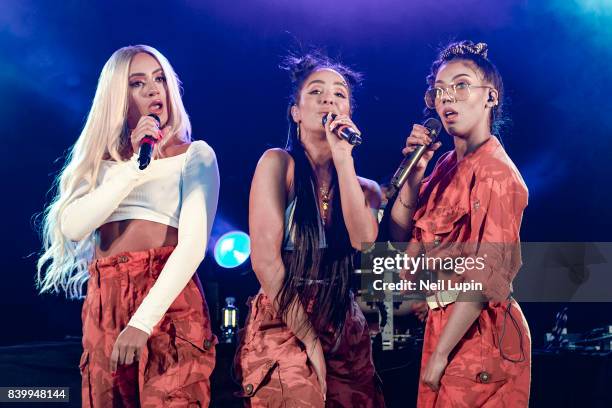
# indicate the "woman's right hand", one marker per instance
pixel 419 136
pixel 420 309
pixel 146 126
pixel 314 351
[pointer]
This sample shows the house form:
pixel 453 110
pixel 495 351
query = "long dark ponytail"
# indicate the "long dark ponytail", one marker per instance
pixel 319 278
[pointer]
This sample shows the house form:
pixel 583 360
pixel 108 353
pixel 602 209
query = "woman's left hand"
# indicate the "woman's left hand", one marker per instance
pixel 420 308
pixel 433 371
pixel 340 148
pixel 165 133
pixel 128 346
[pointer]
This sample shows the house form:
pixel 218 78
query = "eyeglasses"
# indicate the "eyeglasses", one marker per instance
pixel 457 92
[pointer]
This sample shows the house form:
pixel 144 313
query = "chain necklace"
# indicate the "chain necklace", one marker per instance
pixel 325 203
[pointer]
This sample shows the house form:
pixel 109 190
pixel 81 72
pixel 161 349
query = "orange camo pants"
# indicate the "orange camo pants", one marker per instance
pixel 477 375
pixel 175 365
pixel 274 370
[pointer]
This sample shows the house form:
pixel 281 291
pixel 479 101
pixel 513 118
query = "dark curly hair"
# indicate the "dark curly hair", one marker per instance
pixel 330 267
pixel 300 67
pixel 478 55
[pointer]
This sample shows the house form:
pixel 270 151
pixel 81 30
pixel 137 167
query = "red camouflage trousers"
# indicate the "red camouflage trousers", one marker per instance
pixel 274 369
pixel 176 363
pixel 477 375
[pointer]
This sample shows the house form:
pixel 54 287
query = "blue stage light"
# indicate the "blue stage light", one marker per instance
pixel 232 249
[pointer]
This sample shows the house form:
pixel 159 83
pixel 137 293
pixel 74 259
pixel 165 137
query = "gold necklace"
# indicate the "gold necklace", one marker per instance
pixel 325 203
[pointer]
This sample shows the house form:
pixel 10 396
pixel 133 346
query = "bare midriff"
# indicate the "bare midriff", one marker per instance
pixel 133 235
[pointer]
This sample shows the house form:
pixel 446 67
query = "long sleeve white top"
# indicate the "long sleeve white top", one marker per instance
pixel 181 191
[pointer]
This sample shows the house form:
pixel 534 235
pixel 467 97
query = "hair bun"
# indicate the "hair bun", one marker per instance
pixel 465 48
pixel 298 66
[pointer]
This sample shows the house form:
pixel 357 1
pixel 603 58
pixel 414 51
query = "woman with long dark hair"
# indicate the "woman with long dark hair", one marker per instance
pixel 477 347
pixel 305 340
pixel 136 236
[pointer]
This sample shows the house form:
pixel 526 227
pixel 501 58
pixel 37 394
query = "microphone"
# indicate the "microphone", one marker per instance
pixel 146 147
pixel 401 174
pixel 345 132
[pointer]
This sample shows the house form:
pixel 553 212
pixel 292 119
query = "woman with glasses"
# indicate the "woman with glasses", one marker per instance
pixel 477 347
pixel 136 235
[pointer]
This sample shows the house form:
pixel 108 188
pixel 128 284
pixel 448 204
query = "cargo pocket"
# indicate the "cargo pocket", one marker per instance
pixel 198 335
pixel 477 368
pixel 205 345
pixel 257 378
pixel 85 379
pixel 484 370
pixel 440 225
pixel 195 354
pixel 195 343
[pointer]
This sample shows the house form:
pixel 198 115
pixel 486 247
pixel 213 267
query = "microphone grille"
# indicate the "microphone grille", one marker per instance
pixel 434 126
pixel 154 116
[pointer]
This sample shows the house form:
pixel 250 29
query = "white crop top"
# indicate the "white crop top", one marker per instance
pixel 156 198
pixel 181 191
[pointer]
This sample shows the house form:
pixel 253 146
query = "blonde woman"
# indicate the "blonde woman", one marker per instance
pixel 137 238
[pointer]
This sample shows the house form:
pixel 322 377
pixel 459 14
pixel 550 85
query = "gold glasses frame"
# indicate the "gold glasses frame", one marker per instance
pixel 451 91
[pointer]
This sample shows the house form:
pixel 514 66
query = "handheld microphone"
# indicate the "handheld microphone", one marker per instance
pixel 146 147
pixel 401 174
pixel 345 132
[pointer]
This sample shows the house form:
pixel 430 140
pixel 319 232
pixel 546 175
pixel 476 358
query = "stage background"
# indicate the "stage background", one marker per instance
pixel 555 57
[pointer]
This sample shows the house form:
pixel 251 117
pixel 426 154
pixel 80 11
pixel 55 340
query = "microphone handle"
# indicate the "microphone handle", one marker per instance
pixel 350 136
pixel 146 146
pixel 145 152
pixel 404 169
pixel 345 132
pixel 399 178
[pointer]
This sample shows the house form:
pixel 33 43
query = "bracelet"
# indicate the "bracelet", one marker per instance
pixel 408 206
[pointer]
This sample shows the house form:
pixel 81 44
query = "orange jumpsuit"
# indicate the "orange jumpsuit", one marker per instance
pixel 274 369
pixel 479 201
pixel 176 363
pixel 272 364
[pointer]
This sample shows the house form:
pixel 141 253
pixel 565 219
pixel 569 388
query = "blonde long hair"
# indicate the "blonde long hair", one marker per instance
pixel 63 263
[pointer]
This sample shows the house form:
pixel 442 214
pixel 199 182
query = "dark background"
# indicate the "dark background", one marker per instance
pixel 554 57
